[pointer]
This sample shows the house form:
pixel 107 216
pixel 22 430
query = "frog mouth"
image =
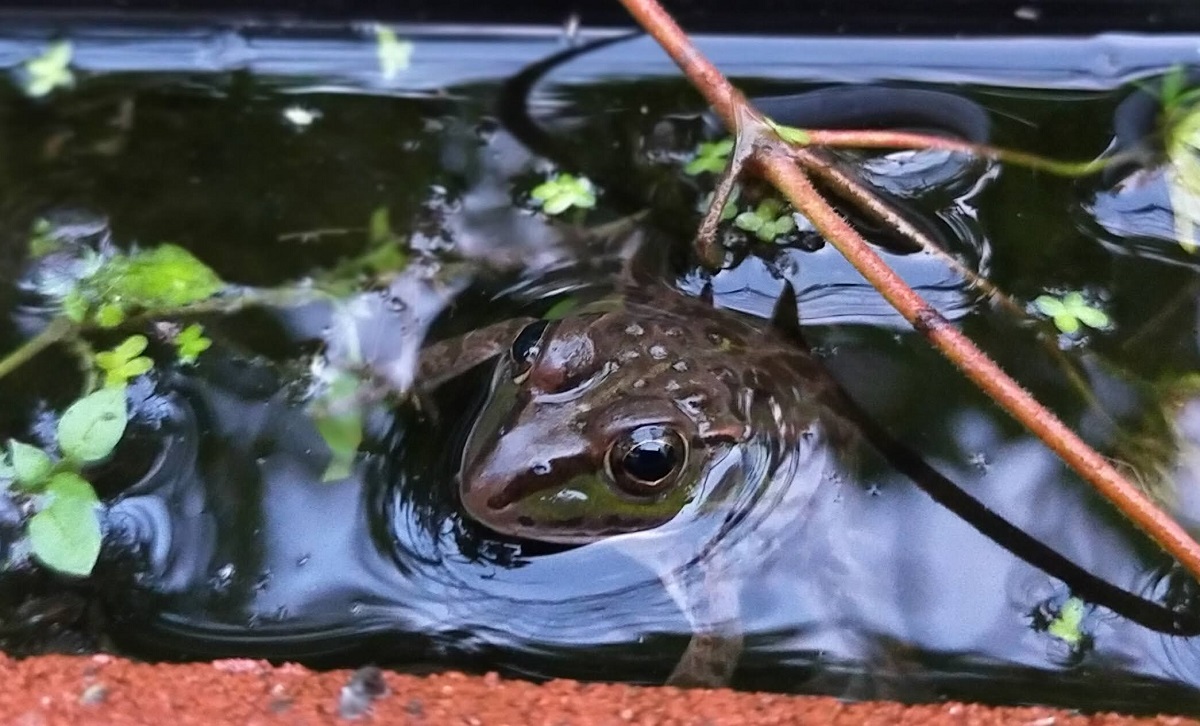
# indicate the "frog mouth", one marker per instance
pixel 571 531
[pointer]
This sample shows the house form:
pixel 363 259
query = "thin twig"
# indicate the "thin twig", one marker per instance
pixel 777 163
pixel 839 138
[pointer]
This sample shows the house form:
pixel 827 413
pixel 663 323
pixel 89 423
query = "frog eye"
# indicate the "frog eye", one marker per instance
pixel 525 348
pixel 647 460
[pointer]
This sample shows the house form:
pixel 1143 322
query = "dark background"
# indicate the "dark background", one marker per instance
pixel 746 16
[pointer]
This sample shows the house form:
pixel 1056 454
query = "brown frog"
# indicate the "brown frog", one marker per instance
pixel 655 422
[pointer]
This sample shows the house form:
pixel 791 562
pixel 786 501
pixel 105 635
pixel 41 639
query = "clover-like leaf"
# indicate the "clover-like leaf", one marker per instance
pixel 394 54
pixel 91 427
pixel 563 191
pixel 50 70
pixel 30 464
pixel 1070 311
pixel 190 343
pixel 711 157
pixel 1067 625
pixel 768 220
pixel 65 534
pixel 125 361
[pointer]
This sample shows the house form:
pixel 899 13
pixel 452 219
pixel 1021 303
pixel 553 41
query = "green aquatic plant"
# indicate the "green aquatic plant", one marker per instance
pixel 50 70
pixel 159 279
pixel 1071 311
pixel 394 54
pixel 768 220
pixel 124 362
pixel 1067 625
pixel 711 157
pixel 190 343
pixel 562 192
pixel 339 414
pixel 1180 124
pixel 64 531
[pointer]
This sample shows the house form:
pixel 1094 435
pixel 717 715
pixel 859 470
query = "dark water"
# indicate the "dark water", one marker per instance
pixel 221 539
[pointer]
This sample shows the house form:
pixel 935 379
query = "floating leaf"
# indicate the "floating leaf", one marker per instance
pixel 91 427
pixel 124 362
pixel 30 464
pixel 711 157
pixel 1066 626
pixel 563 191
pixel 65 534
pixel 394 54
pixel 191 342
pixel 1070 311
pixel 50 70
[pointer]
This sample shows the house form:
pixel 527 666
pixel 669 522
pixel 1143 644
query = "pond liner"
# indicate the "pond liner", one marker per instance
pixel 768 17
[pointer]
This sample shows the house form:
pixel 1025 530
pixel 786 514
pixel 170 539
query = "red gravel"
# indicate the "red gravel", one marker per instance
pixel 106 690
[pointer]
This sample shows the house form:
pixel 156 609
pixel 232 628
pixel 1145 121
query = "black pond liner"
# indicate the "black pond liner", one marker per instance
pixel 770 17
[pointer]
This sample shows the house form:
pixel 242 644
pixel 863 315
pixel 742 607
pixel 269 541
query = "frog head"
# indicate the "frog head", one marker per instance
pixel 605 422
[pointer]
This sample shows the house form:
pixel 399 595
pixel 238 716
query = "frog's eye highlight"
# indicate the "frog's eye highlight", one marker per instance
pixel 525 348
pixel 647 460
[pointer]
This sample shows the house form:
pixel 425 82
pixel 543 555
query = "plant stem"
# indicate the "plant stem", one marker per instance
pixel 907 140
pixel 775 158
pixel 58 329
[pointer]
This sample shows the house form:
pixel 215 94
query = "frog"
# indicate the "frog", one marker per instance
pixel 655 420
pixel 690 436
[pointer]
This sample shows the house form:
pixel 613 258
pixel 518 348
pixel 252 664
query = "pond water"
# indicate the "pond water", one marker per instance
pixel 266 153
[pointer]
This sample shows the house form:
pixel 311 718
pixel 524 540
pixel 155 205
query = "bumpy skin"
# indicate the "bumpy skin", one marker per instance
pixel 537 464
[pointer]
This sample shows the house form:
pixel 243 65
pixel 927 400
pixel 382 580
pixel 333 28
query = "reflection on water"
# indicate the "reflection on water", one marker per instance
pixel 223 540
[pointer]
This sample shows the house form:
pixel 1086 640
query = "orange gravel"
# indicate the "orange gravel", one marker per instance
pixel 103 689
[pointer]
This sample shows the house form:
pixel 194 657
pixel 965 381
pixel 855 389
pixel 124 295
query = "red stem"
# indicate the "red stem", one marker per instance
pixel 775 160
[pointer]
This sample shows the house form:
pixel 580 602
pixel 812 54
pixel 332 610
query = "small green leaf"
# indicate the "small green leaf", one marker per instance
pixel 1048 305
pixel 30 464
pixel 124 362
pixel 191 342
pixel 1092 317
pixel 748 221
pixel 394 54
pixel 110 315
pixel 338 416
pixel 342 434
pixel 1070 311
pixel 1067 625
pixel 65 535
pixel 50 70
pixel 563 191
pixel 711 156
pixel 91 427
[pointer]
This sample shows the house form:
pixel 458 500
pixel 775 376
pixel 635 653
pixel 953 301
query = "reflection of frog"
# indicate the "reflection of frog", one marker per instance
pixel 652 412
